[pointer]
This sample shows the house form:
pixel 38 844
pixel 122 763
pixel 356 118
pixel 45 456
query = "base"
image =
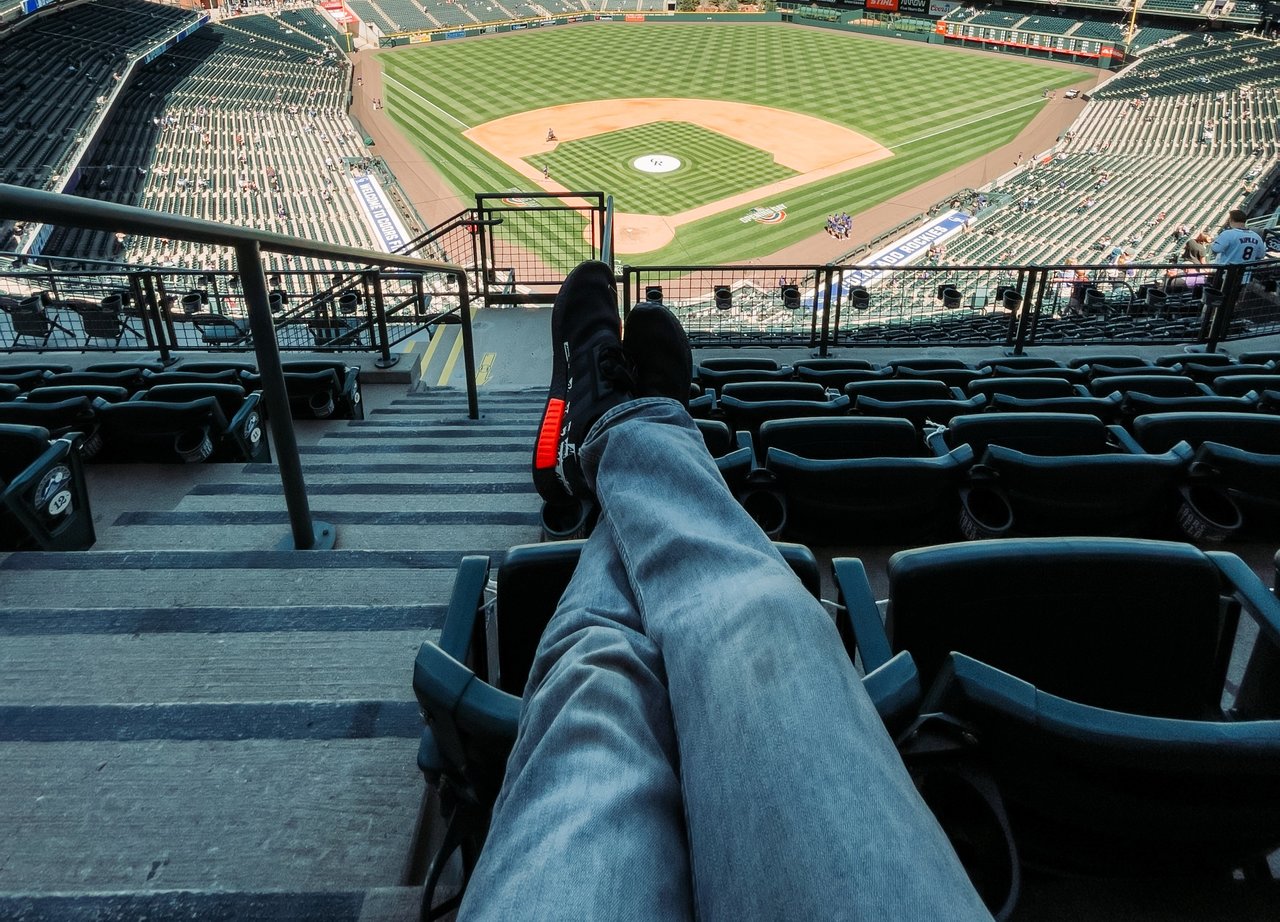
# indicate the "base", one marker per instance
pixel 325 538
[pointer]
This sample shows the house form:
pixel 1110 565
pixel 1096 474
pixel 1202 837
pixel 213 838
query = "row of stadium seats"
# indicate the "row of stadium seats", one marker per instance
pixel 237 128
pixel 848 480
pixel 198 411
pixel 1119 398
pixel 81 52
pixel 835 373
pixel 1090 673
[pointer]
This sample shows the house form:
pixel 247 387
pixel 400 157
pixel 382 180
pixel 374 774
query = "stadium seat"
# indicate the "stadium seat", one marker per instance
pixel 929 364
pixel 29 319
pixel 836 373
pixel 472 710
pixel 324 390
pixel 1235 471
pixel 858 479
pixel 220 330
pixel 244 437
pixel 1216 359
pixel 922 411
pixel 1116 494
pixel 903 389
pixel 1129 624
pixel 156 431
pixel 715 374
pixel 1106 409
pixel 1018 362
pixel 1240 385
pixel 1026 387
pixel 1209 374
pixel 131 379
pixel 1136 404
pixel 1046 434
pixel 24 379
pixel 952 377
pixel 1248 431
pixel 1150 371
pixel 1110 361
pixel 105 392
pixel 75 414
pixel 1074 375
pixel 1173 385
pixel 757 404
pixel 44 504
pixel 180 376
pixel 1259 358
pixel 142 366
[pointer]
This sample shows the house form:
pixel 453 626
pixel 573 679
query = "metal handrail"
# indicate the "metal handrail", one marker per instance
pixel 606 233
pixel 22 204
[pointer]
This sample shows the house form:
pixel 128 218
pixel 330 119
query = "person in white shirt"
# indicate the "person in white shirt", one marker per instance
pixel 1237 244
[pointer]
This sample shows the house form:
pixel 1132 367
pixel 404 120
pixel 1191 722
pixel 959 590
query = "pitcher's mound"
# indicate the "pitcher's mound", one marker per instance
pixel 656 163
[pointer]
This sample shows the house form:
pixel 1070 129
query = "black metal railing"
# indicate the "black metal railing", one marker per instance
pixel 1005 306
pixel 158 317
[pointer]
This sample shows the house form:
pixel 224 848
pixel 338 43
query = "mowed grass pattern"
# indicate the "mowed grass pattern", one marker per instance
pixel 935 108
pixel 711 167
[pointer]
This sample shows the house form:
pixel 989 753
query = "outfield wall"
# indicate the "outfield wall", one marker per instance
pixel 440 35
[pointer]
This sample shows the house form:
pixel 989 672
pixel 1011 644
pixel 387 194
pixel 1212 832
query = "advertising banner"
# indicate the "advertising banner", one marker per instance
pixel 908 248
pixel 382 218
pixel 920 7
pixel 941 7
pixel 882 6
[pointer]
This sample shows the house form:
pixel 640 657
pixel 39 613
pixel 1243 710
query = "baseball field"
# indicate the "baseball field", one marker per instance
pixel 719 142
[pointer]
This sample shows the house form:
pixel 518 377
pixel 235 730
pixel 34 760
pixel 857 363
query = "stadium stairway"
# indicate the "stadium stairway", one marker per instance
pixel 193 724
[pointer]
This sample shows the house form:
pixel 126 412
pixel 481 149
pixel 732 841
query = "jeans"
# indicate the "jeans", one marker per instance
pixel 694 741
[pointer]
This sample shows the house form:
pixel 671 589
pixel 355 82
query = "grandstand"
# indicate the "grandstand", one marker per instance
pixel 84 52
pixel 198 720
pixel 245 123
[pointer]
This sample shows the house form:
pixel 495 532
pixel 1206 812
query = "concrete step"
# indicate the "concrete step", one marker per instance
pixel 251 814
pixel 400 531
pixel 412 501
pixel 375 904
pixel 181 578
pixel 185 668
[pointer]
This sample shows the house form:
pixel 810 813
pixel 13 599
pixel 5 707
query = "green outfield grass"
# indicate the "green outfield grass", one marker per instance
pixel 711 166
pixel 935 108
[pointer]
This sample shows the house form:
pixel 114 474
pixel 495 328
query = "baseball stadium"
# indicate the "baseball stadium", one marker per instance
pixel 327 594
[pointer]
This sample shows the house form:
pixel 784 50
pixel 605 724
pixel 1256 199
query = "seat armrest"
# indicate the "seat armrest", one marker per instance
pixel 935 439
pixel 894 689
pixel 465 603
pixel 1261 604
pixel 1127 444
pixel 858 618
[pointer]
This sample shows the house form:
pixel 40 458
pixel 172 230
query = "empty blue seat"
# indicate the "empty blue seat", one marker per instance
pixel 44 504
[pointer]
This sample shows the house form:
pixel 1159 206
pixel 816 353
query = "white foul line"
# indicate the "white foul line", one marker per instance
pixel 386 79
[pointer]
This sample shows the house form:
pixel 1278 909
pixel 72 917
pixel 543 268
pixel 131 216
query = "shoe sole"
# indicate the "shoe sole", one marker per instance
pixel 546 450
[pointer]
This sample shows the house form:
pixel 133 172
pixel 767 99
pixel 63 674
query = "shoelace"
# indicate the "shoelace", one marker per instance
pixel 617 368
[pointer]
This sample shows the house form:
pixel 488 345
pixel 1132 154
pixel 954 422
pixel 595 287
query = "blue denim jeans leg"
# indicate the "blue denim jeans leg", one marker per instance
pixel 589 823
pixel 796 804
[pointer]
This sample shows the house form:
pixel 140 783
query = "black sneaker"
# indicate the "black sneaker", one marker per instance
pixel 658 347
pixel 590 374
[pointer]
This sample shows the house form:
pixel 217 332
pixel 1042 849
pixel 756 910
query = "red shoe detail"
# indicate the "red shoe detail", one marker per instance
pixel 547 451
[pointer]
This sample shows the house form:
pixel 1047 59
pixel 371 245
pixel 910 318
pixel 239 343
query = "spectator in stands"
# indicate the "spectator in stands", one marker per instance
pixel 1196 249
pixel 1236 244
pixel 632 774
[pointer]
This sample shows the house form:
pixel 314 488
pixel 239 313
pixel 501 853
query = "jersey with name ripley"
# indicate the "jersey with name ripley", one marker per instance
pixel 1238 245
